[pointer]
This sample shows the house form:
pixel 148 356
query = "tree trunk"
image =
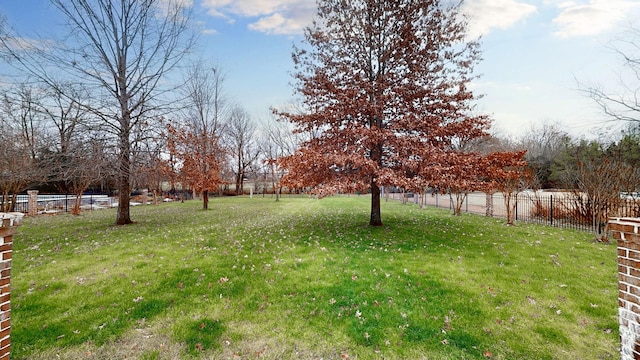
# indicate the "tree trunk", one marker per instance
pixel 4 201
pixel 205 199
pixel 76 204
pixel 376 219
pixel 238 183
pixel 507 203
pixel 12 204
pixel 124 185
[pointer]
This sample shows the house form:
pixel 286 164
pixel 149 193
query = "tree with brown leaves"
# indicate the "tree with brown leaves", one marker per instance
pixel 384 84
pixel 195 143
pixel 508 173
pixel 199 156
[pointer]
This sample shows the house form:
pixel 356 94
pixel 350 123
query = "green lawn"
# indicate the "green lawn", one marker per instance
pixel 308 279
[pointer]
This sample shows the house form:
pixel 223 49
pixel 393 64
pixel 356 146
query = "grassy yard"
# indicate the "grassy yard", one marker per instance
pixel 308 279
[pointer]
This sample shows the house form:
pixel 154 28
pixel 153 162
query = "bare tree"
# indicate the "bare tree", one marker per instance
pixel 120 50
pixel 279 141
pixel 622 104
pixel 243 147
pixel 600 175
pixel 544 144
pixel 84 166
pixel 15 166
pixel 22 135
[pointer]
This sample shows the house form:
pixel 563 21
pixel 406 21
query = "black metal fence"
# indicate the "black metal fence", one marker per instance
pixel 559 209
pixel 63 203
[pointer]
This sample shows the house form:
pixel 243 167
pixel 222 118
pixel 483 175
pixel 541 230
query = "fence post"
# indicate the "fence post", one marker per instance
pixel 516 207
pixel 466 200
pixel 32 202
pixel 551 210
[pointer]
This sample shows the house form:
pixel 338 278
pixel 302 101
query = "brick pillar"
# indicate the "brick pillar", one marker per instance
pixel 33 202
pixel 9 223
pixel 625 231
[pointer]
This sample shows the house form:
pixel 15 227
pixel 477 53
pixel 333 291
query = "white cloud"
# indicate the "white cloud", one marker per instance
pixel 487 15
pixel 592 17
pixel 272 16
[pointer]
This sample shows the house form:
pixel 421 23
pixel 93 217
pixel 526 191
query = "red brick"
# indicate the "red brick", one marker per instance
pixel 631 280
pixel 5 353
pixel 5 315
pixel 629 262
pixel 4 342
pixel 633 254
pixel 7 232
pixel 621 269
pixel 625 228
pixel 626 296
pixel 633 240
pixel 7 255
pixel 622 286
pixel 5 333
pixel 622 252
pixel 5 298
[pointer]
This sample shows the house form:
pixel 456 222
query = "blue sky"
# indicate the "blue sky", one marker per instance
pixel 535 53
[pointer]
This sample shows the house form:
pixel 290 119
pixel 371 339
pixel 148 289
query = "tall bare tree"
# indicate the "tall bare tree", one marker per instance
pixel 242 143
pixel 279 141
pixel 120 50
pixel 22 139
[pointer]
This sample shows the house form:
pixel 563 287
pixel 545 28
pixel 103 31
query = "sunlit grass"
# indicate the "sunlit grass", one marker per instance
pixel 305 278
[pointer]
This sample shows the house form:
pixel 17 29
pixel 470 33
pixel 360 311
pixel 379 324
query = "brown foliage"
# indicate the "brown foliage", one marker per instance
pixel 200 155
pixel 384 85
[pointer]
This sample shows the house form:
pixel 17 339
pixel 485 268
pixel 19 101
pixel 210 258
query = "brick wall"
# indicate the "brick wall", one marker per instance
pixel 626 233
pixel 8 226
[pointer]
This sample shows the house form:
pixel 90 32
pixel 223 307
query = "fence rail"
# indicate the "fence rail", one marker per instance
pixel 63 203
pixel 557 209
